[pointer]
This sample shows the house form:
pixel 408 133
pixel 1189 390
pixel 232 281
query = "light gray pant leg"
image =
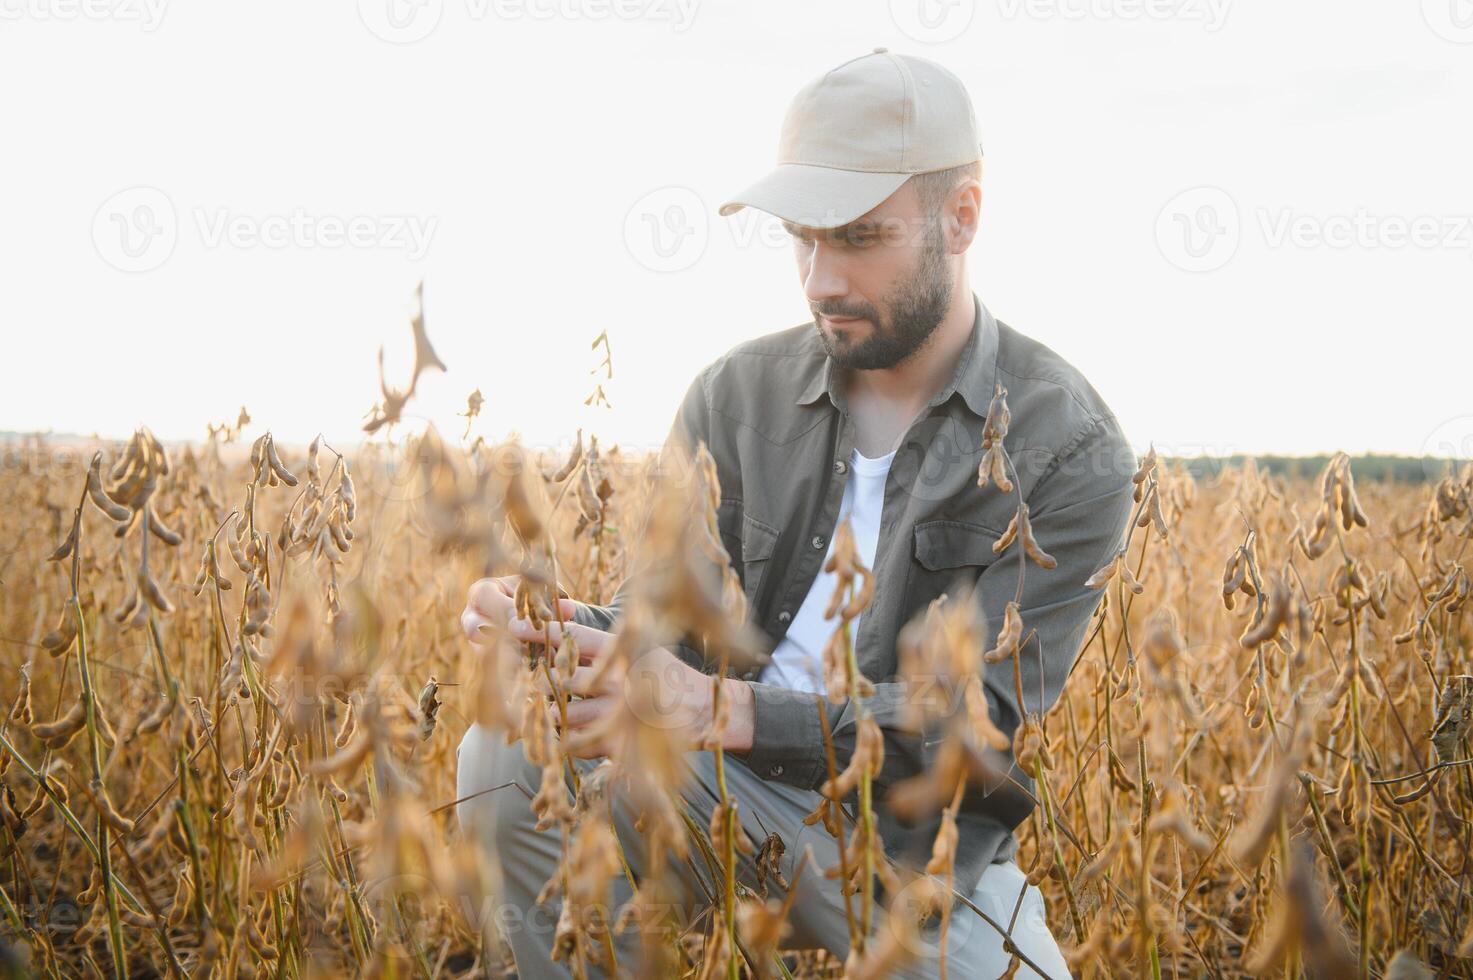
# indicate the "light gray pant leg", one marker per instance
pixel 973 947
pixel 501 822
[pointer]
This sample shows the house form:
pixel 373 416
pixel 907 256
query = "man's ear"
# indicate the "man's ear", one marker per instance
pixel 963 213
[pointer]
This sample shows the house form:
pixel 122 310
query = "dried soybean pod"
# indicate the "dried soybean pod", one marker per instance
pixel 1008 637
pixel 160 454
pixel 104 503
pixel 349 727
pixel 1274 617
pixel 1148 463
pixel 56 787
pixel 1350 504
pixel 126 609
pixel 1128 577
pixel 1106 572
pixel 65 726
pixel 258 457
pixel 1157 517
pixel 96 793
pixel 153 593
pixel 338 537
pixel 60 640
pixel 314 474
pixel 64 549
pixel 277 466
pixel 572 461
pixel 1007 535
pixel 20 711
pixel 237 554
pixel 179 908
pixel 1233 575
pixel 213 556
pixel 1030 544
pixel 154 720
pixel 160 530
pixel 345 490
pixel 121 531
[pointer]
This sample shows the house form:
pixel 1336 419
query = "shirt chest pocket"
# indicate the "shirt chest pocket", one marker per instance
pixel 948 555
pixel 749 542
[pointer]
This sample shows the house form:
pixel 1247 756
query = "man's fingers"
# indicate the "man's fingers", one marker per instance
pixel 583 713
pixel 591 681
pixel 475 626
pixel 495 599
pixel 587 683
pixel 492 597
pixel 592 643
pixel 581 735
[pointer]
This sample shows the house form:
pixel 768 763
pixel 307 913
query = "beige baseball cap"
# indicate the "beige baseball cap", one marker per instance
pixel 853 135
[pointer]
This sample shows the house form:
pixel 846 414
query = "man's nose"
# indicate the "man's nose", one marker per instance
pixel 824 279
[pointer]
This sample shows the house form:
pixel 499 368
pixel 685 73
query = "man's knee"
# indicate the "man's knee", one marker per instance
pixel 493 780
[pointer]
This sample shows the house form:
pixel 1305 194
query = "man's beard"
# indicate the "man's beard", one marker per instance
pixel 917 306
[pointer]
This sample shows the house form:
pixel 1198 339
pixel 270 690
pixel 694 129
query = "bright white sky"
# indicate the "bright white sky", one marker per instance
pixel 526 137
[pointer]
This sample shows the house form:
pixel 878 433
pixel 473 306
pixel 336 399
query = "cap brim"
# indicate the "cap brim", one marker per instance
pixel 816 197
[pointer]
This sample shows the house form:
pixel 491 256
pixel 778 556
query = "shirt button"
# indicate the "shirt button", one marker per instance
pixel 776 770
pixel 841 467
pixel 817 542
pixel 784 616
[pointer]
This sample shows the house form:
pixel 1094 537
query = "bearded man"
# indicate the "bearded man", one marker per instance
pixel 871 412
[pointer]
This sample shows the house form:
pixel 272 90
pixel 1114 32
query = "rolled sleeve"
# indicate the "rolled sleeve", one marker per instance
pixel 787 736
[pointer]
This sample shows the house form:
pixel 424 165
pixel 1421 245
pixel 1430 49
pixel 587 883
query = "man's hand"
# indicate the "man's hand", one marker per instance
pixel 492 601
pixel 661 689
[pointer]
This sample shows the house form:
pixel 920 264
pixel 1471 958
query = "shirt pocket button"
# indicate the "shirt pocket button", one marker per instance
pixel 776 770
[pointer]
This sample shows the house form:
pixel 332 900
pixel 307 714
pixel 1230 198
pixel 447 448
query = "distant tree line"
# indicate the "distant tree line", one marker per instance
pixel 1395 469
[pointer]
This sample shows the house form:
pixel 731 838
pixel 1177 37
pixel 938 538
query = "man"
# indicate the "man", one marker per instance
pixel 872 412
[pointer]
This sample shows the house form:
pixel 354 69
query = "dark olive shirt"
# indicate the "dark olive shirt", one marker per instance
pixel 773 414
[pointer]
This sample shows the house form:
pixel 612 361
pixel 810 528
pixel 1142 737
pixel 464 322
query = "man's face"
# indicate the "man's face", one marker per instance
pixel 880 285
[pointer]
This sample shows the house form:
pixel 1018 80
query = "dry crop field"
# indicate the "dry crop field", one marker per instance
pixel 234 679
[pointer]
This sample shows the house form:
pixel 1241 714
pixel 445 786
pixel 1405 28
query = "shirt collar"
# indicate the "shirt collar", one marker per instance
pixel 973 378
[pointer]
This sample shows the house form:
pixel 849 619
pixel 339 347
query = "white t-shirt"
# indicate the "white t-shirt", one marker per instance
pixel 797 661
